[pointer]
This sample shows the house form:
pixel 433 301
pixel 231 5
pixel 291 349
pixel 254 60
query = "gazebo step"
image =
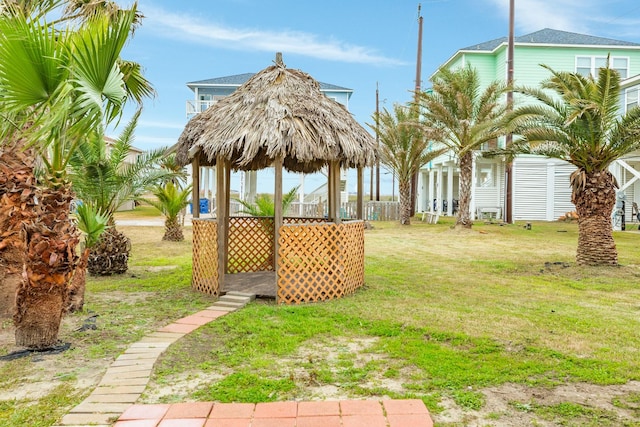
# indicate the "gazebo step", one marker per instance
pixel 241 294
pixel 235 299
pixel 226 303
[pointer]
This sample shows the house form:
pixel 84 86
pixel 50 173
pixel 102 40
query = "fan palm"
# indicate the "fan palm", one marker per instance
pixel 171 201
pixel 18 206
pixel 56 86
pixel 405 147
pixel 577 119
pixel 462 117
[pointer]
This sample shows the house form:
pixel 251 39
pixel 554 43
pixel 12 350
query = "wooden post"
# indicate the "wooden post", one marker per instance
pixel 195 193
pixel 277 209
pixel 360 206
pixel 220 218
pixel 227 203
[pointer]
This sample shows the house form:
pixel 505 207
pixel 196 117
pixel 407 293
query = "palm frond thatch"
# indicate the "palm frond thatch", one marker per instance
pixel 278 112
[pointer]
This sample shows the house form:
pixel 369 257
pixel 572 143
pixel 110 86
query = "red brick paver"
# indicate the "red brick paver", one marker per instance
pixel 306 409
pixel 346 413
pixel 189 410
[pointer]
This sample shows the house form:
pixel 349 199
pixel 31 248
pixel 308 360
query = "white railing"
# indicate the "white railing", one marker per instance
pixel 195 107
pixel 373 211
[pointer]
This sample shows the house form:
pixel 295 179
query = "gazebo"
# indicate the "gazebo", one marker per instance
pixel 278 118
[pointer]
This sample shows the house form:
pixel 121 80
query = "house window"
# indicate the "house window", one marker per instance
pixel 486 175
pixel 631 98
pixel 589 65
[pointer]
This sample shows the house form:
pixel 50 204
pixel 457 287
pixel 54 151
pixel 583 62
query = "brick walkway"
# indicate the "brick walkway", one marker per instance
pixel 114 398
pixel 346 413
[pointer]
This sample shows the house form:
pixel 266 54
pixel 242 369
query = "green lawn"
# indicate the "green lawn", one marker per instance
pixel 445 316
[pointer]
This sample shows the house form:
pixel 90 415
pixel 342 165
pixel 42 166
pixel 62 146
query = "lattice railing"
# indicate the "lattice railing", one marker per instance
pixel 205 257
pixel 300 220
pixel 250 244
pixel 319 262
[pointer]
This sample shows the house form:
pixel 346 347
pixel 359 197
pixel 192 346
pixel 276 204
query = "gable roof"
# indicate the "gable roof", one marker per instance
pixel 240 79
pixel 552 37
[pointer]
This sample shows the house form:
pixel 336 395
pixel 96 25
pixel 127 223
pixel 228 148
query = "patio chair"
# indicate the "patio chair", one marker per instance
pixel 635 213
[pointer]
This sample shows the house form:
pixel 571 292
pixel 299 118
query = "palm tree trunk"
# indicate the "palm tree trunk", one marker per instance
pixel 464 204
pixel 50 262
pixel 173 230
pixel 17 207
pixel 75 296
pixel 111 254
pixel 595 198
pixel 404 188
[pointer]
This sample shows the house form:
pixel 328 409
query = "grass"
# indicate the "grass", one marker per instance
pixel 443 315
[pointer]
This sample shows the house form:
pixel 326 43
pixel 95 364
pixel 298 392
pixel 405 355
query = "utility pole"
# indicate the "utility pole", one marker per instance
pixel 414 178
pixel 377 146
pixel 509 139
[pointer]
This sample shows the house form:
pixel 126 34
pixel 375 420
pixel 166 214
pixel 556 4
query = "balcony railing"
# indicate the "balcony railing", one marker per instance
pixel 195 107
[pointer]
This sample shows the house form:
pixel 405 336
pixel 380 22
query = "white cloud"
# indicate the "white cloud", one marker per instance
pixel 193 29
pixel 594 17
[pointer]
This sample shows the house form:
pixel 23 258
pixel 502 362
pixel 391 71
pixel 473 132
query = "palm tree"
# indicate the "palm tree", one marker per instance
pixel 264 206
pixel 404 149
pixel 101 176
pixel 462 117
pixel 171 201
pixel 577 119
pixel 18 206
pixel 92 223
pixel 57 85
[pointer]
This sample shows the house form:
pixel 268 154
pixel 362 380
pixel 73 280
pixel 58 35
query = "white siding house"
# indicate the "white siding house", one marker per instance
pixel 540 185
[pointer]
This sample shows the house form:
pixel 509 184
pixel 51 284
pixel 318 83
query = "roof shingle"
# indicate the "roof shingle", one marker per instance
pixel 551 36
pixel 240 79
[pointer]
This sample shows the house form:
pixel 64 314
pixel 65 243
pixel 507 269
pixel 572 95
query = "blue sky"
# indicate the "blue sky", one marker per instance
pixel 350 43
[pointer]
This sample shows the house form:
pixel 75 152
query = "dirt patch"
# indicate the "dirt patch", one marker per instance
pixel 508 405
pixel 43 373
pixel 514 405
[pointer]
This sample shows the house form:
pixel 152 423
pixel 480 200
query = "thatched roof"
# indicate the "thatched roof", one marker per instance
pixel 279 111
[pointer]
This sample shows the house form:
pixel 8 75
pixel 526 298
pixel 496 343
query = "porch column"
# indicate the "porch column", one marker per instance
pixel 301 196
pixel 431 193
pixel 333 190
pixel 450 170
pixel 251 184
pixel 206 189
pixel 474 179
pixel 439 191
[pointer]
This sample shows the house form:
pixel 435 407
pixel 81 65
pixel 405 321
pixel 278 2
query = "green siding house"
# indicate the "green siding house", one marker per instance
pixel 540 185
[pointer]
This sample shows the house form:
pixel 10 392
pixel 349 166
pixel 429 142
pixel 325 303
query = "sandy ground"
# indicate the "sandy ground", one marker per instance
pixel 508 405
